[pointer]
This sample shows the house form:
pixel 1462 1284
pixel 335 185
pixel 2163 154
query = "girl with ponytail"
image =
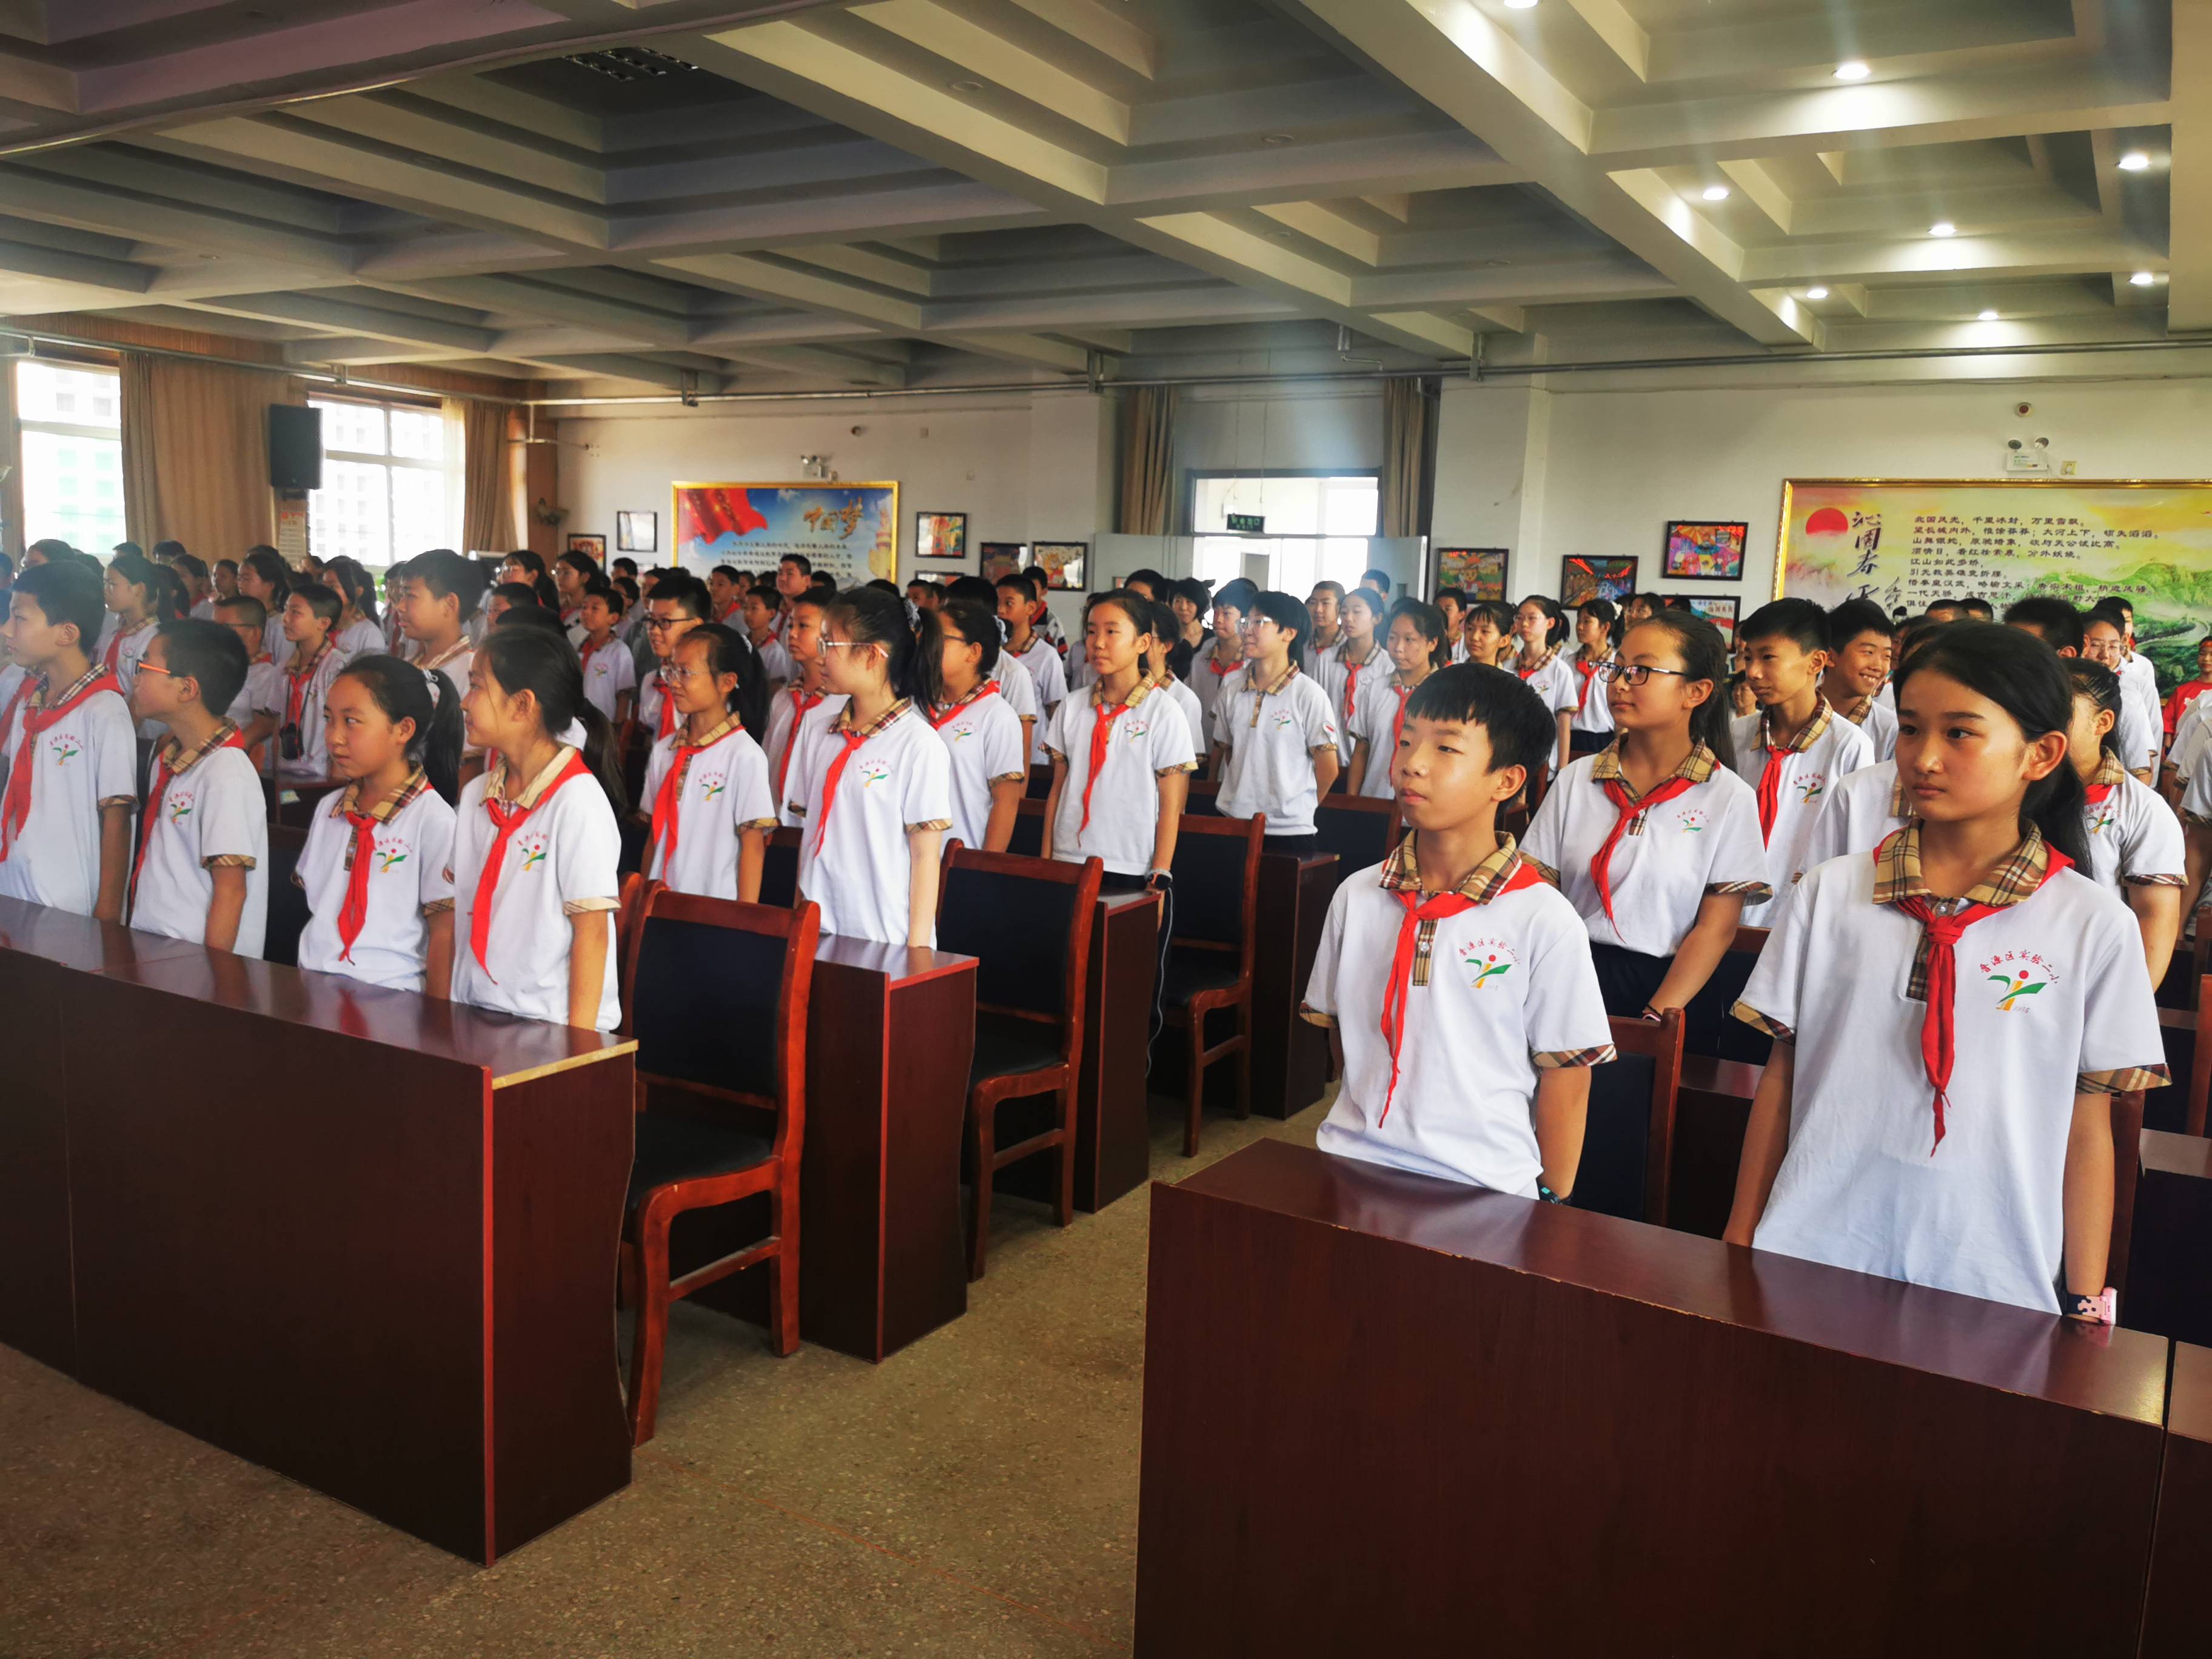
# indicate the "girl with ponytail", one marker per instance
pixel 535 843
pixel 1952 1014
pixel 871 790
pixel 2136 849
pixel 707 780
pixel 378 866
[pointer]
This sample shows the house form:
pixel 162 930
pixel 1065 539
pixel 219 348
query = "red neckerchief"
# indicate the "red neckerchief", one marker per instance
pixel 590 645
pixel 1215 664
pixel 295 693
pixel 2099 792
pixel 1588 672
pixel 1539 665
pixel 506 820
pixel 1770 780
pixel 666 802
pixel 853 738
pixel 162 775
pixel 353 915
pixel 15 804
pixel 801 700
pixel 1627 811
pixel 111 659
pixel 1102 732
pixel 1437 908
pixel 939 719
pixel 1351 679
pixel 666 721
pixel 1938 1026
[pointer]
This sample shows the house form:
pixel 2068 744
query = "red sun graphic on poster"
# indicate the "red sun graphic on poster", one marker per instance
pixel 1827 521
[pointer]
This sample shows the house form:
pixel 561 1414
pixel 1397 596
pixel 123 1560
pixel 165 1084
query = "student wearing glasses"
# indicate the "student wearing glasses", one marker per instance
pixel 679 602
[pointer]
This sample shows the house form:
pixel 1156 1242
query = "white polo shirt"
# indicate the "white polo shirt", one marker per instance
pixel 1271 735
pixel 983 737
pixel 313 695
pixel 359 638
pixel 2140 729
pixel 265 680
pixel 1149 740
pixel 1555 681
pixel 898 781
pixel 1187 699
pixel 212 812
pixel 560 861
pixel 653 704
pixel 1858 815
pixel 785 713
pixel 1017 688
pixel 87 757
pixel 1593 711
pixel 1376 715
pixel 1504 991
pixel 1668 858
pixel 1351 687
pixel 2052 999
pixel 2134 839
pixel 1879 723
pixel 608 672
pixel 723 791
pixel 1827 751
pixel 2190 732
pixel 410 879
pixel 775 661
pixel 124 658
pixel 1048 679
pixel 1212 666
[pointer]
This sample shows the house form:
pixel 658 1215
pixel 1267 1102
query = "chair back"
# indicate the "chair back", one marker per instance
pixel 780 869
pixel 1203 796
pixel 1359 829
pixel 288 903
pixel 1027 922
pixel 1628 1148
pixel 1216 880
pixel 1028 838
pixel 718 998
pixel 1737 1041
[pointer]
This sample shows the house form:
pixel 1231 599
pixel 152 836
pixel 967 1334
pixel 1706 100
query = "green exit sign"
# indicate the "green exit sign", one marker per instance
pixel 1252 523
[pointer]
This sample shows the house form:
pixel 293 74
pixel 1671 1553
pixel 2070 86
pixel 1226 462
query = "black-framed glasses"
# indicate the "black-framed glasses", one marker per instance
pixel 1634 674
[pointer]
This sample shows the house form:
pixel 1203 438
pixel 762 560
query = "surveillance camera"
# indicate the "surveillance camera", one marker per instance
pixel 2023 410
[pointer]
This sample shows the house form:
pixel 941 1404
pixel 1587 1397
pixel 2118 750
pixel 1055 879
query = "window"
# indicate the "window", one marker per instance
pixel 70 424
pixel 388 483
pixel 1317 526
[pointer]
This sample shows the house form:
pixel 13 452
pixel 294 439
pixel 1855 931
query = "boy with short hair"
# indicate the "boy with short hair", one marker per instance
pixel 1025 647
pixel 1457 981
pixel 436 606
pixel 680 602
pixel 758 610
pixel 1452 601
pixel 70 751
pixel 310 618
pixel 1863 639
pixel 202 872
pixel 723 592
pixel 264 685
pixel 609 675
pixel 2105 641
pixel 1791 749
pixel 2054 621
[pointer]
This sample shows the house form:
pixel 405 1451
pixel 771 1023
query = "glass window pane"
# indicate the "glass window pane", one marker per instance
pixel 418 434
pixel 1343 505
pixel 1217 559
pixel 1351 507
pixel 60 497
pixel 418 513
pixel 1344 559
pixel 78 396
pixel 357 428
pixel 351 514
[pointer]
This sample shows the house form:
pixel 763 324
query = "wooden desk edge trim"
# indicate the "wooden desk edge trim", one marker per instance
pixel 570 1064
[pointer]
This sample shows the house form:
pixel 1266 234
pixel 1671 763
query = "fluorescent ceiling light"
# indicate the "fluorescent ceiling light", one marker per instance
pixel 1852 70
pixel 1942 227
pixel 2142 279
pixel 1988 316
pixel 1816 294
pixel 2135 161
pixel 1520 5
pixel 1716 192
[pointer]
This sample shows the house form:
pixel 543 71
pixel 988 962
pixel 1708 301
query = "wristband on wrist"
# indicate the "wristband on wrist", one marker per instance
pixel 1545 1194
pixel 2088 1308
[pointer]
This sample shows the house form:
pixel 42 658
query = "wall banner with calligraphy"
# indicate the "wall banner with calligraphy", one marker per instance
pixel 1904 542
pixel 850 531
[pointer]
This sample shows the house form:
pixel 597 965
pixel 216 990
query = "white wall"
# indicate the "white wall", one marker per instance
pixel 1551 474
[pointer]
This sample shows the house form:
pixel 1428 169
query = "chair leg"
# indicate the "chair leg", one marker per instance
pixel 1196 1107
pixel 1244 1063
pixel 979 1147
pixel 1063 1202
pixel 649 1340
pixel 783 1271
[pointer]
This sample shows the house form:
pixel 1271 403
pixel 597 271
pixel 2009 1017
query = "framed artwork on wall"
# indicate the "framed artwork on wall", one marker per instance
pixel 1700 552
pixel 1001 558
pixel 637 532
pixel 1584 579
pixel 1477 572
pixel 1062 561
pixel 940 535
pixel 594 545
pixel 1719 610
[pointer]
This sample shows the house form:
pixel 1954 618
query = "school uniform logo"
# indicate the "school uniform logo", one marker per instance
pixel 1810 789
pixel 1134 729
pixel 710 788
pixel 533 852
pixel 1487 960
pixel 1691 820
pixel 64 749
pixel 2102 817
pixel 873 773
pixel 2018 976
pixel 390 855
pixel 180 808
pixel 1282 722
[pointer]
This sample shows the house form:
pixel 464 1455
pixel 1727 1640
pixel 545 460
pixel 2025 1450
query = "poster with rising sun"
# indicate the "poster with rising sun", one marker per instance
pixel 1904 542
pixel 849 531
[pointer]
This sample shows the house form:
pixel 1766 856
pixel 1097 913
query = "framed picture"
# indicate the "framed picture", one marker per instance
pixel 1697 552
pixel 1582 581
pixel 1477 572
pixel 940 535
pixel 637 532
pixel 594 545
pixel 1061 562
pixel 1002 559
pixel 1719 610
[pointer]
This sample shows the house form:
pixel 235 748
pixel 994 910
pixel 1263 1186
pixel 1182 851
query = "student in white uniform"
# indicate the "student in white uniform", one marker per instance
pixel 71 751
pixel 1541 628
pixel 1121 758
pixel 1486 633
pixel 1597 628
pixel 1451 604
pixel 1027 648
pixel 1952 1015
pixel 707 780
pixel 378 868
pixel 1457 982
pixel 2181 705
pixel 1165 628
pixel 129 591
pixel 199 591
pixel 872 789
pixel 1223 655
pixel 1858 668
pixel 2134 839
pixel 679 602
pixel 265 680
pixel 440 596
pixel 311 611
pixel 535 843
pixel 1858 814
pixel 1325 611
pixel 806 703
pixel 202 870
pixel 963 703
pixel 395 643
pixel 360 630
pixel 2103 640
pixel 757 609
pixel 1654 841
pixel 610 673
pixel 1274 731
pixel 263 576
pixel 1355 671
pixel 2138 679
pixel 574 573
pixel 1794 750
pixel 1414 642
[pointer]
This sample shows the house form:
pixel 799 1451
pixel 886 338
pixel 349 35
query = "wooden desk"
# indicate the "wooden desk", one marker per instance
pixel 2169 1284
pixel 1290 1055
pixel 1389 1415
pixel 2177 1611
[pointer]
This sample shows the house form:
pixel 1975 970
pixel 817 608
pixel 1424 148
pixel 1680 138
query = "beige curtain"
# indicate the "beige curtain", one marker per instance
pixel 1405 457
pixel 1147 461
pixel 196 453
pixel 487 485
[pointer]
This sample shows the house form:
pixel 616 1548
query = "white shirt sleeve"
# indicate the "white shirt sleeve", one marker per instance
pixel 110 726
pixel 2158 849
pixel 1545 841
pixel 1738 850
pixel 623 674
pixel 1320 719
pixel 590 848
pixel 1776 988
pixel 928 783
pixel 747 784
pixel 2119 1014
pixel 433 843
pixel 2197 787
pixel 233 818
pixel 1002 747
pixel 1170 732
pixel 1052 680
pixel 1321 984
pixel 1563 1006
pixel 1056 729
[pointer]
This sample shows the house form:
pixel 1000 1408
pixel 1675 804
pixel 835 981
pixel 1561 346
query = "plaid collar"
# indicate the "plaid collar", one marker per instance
pixel 1540 665
pixel 1374 650
pixel 308 672
pixel 1805 739
pixel 979 687
pixel 1897 871
pixel 496 780
pixel 1900 807
pixel 181 760
pixel 444 656
pixel 1697 766
pixel 1582 655
pixel 1143 689
pixel 1398 682
pixel 1289 674
pixel 684 741
pixel 391 805
pixel 843 724
pixel 42 696
pixel 1402 871
pixel 2109 771
pixel 1857 710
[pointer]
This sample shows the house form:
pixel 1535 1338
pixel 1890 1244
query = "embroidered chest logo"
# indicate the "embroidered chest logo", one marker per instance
pixel 2102 817
pixel 390 855
pixel 873 773
pixel 1134 728
pixel 710 788
pixel 1486 961
pixel 1691 820
pixel 963 731
pixel 1810 789
pixel 179 808
pixel 533 852
pixel 64 748
pixel 1282 722
pixel 2018 974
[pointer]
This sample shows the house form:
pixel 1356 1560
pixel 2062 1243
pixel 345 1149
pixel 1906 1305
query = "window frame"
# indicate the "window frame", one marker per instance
pixel 1192 476
pixel 387 404
pixel 13 509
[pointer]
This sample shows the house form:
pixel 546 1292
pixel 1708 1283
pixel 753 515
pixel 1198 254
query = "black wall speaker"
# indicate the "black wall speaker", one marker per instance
pixel 295 447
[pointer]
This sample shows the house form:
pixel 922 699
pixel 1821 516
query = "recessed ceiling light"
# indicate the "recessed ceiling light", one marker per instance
pixel 965 86
pixel 1988 316
pixel 1816 294
pixel 1716 192
pixel 2134 161
pixel 2142 279
pixel 1852 70
pixel 1942 227
pixel 1520 5
pixel 1275 138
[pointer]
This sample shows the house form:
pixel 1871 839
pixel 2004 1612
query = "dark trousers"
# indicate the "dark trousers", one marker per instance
pixel 1112 882
pixel 1628 979
pixel 1295 846
pixel 1581 742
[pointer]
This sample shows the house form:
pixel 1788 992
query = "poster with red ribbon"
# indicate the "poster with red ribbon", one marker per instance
pixel 849 531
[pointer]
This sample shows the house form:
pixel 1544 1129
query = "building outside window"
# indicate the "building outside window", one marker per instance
pixel 389 478
pixel 70 426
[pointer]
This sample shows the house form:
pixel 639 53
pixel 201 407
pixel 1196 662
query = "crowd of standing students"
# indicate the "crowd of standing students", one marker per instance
pixel 1961 833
